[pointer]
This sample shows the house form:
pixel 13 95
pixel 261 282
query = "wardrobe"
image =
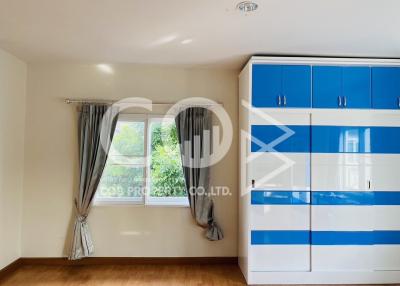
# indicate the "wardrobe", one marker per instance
pixel 319 198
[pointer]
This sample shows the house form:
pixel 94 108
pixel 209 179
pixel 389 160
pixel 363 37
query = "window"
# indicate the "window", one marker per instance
pixel 144 164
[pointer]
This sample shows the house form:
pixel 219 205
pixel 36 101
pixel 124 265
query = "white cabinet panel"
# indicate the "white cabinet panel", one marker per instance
pixel 266 117
pixel 342 258
pixel 387 217
pixel 280 217
pixel 353 117
pixel 280 171
pixel 385 172
pixel 280 258
pixel 387 257
pixel 340 172
pixel 342 218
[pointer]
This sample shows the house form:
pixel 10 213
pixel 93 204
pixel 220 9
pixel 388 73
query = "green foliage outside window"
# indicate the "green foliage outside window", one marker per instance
pixel 166 167
pixel 124 173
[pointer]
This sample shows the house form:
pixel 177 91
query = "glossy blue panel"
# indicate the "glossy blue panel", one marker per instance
pixel 356 87
pixel 260 237
pixel 327 86
pixel 355 139
pixel 280 197
pixel 266 85
pixel 296 85
pixel 342 198
pixel 342 238
pixel 386 237
pixel 385 140
pixel 385 87
pixel 298 142
pixel 300 237
pixel 340 139
pixel 324 198
pixel 386 198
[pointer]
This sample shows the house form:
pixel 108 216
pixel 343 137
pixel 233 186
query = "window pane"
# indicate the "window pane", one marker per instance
pixel 166 177
pixel 128 139
pixel 123 176
pixel 121 181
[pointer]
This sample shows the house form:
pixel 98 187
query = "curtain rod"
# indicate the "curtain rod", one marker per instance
pixel 104 101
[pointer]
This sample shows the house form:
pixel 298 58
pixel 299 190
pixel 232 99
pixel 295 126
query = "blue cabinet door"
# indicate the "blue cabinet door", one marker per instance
pixel 296 86
pixel 266 85
pixel 341 87
pixel 327 86
pixel 385 87
pixel 281 86
pixel 356 87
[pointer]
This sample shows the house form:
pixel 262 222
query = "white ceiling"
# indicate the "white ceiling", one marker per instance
pixel 151 31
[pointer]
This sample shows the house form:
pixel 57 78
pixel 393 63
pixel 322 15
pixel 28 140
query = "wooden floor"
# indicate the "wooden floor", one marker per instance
pixel 171 275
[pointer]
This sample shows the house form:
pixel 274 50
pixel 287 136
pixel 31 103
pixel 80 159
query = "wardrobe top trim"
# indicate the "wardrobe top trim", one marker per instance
pixel 325 61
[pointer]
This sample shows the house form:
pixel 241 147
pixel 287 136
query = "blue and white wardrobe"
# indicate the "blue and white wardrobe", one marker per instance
pixel 320 171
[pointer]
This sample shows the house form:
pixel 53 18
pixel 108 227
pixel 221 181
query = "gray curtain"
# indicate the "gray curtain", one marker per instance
pixel 194 127
pixel 96 128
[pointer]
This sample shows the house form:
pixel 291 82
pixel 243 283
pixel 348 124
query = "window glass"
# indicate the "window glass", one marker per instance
pixel 144 161
pixel 166 176
pixel 123 176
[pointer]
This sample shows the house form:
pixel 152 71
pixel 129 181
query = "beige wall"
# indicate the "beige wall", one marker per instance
pixel 51 163
pixel 12 120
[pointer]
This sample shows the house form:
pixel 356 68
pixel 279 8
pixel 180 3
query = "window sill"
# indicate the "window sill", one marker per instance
pixel 106 202
pixel 154 202
pixel 168 204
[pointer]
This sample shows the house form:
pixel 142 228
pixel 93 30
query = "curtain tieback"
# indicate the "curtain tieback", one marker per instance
pixel 81 218
pixel 212 224
pixel 214 232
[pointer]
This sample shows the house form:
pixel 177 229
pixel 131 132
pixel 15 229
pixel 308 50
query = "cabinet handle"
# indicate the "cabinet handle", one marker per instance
pixel 284 100
pixel 253 183
pixel 344 101
pixel 340 100
pixel 279 100
pixel 398 102
pixel 369 184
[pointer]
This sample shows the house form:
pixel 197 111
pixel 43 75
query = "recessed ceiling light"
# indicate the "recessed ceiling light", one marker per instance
pixel 247 6
pixel 105 68
pixel 186 41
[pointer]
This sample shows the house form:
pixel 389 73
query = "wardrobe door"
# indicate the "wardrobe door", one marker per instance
pixel 341 87
pixel 342 204
pixel 386 87
pixel 385 183
pixel 279 168
pixel 327 87
pixel 280 151
pixel 266 85
pixel 296 86
pixel 356 86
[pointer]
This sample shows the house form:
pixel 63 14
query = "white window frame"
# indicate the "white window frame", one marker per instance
pixel 146 200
